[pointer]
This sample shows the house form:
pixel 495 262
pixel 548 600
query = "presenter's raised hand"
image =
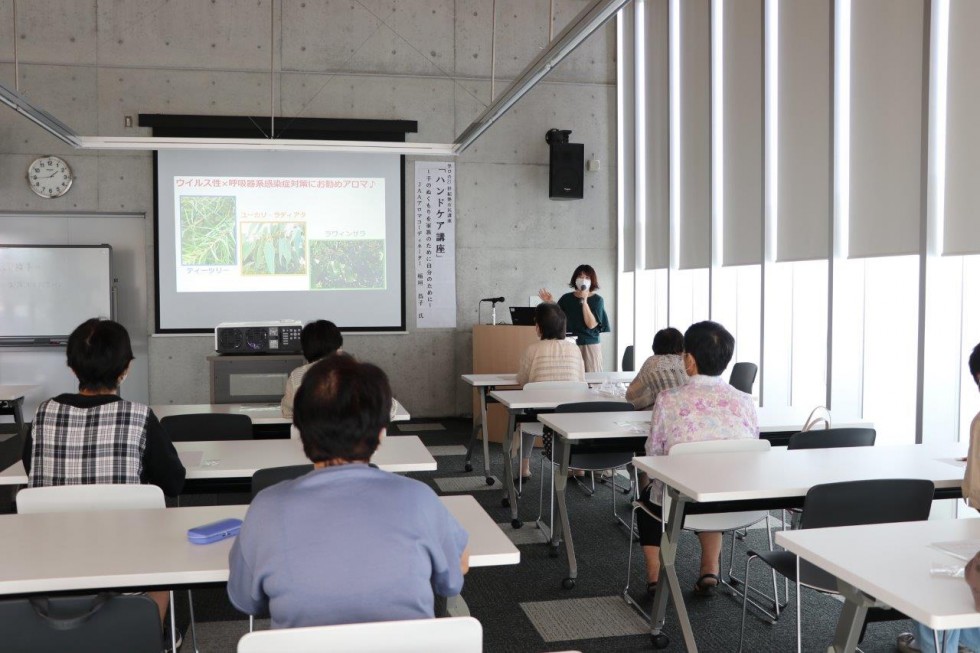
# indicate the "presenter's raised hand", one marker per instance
pixel 545 295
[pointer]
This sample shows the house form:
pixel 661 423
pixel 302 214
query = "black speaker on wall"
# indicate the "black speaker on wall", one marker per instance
pixel 566 173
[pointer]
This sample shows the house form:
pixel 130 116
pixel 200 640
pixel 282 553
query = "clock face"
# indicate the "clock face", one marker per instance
pixel 49 176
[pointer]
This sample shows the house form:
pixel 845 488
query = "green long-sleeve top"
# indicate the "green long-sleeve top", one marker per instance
pixel 572 306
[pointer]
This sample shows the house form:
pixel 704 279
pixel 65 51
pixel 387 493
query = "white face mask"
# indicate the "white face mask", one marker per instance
pixel 583 283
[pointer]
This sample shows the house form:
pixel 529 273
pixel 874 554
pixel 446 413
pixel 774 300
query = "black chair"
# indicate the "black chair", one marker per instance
pixel 852 503
pixel 198 427
pixel 592 455
pixel 743 376
pixel 81 624
pixel 832 438
pixel 629 359
pixel 263 478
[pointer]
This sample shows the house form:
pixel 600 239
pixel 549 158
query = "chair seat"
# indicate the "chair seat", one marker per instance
pixel 784 562
pixel 599 461
pixel 723 521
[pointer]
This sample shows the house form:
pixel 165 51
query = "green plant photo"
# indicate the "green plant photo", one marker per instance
pixel 343 264
pixel 273 247
pixel 207 230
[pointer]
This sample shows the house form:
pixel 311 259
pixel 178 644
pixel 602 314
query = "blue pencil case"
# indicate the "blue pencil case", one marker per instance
pixel 215 531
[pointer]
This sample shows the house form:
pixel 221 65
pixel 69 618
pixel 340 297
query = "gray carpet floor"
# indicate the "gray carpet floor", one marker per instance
pixel 525 608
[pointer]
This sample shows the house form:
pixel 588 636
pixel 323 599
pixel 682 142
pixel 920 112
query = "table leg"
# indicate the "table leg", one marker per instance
pixel 481 427
pixel 510 492
pixel 852 615
pixel 561 527
pixel 672 588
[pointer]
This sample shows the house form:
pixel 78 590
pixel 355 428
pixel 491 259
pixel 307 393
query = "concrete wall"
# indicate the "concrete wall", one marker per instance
pixel 91 63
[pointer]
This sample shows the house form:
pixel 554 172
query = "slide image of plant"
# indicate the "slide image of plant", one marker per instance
pixel 342 264
pixel 273 248
pixel 207 230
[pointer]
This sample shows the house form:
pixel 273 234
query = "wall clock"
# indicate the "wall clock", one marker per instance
pixel 49 176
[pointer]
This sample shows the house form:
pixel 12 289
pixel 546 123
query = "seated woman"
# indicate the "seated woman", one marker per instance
pixel 706 408
pixel 318 340
pixel 347 542
pixel 552 358
pixel 663 370
pixel 95 436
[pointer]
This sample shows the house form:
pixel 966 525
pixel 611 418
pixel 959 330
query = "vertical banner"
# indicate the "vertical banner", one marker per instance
pixel 435 245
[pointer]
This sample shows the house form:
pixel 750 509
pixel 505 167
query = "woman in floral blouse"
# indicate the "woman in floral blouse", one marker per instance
pixel 706 408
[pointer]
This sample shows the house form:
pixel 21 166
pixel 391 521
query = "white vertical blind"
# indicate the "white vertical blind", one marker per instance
pixel 962 226
pixel 695 133
pixel 657 146
pixel 804 141
pixel 743 131
pixel 886 149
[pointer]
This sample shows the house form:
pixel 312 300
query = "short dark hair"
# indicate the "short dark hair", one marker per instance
pixel 975 363
pixel 99 351
pixel 587 271
pixel 668 341
pixel 340 408
pixel 550 320
pixel 320 339
pixel 710 345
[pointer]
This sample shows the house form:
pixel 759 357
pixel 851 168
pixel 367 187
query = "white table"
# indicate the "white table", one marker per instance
pixel 239 459
pixel 888 564
pixel 575 427
pixel 518 401
pixel 259 413
pixel 51 552
pixel 487 383
pixel 774 479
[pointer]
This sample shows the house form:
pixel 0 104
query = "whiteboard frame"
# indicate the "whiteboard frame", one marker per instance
pixel 58 339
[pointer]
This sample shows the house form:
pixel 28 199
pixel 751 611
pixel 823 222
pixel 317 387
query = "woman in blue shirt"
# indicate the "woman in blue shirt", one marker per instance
pixel 586 314
pixel 347 542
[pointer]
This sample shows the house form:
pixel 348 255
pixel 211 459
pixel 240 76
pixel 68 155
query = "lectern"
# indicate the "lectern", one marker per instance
pixel 497 349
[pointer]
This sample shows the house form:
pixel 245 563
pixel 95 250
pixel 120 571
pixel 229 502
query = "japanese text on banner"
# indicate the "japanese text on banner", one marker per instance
pixel 435 245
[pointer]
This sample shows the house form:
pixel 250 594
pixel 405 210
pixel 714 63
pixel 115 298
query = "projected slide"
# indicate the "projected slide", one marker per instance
pixel 237 234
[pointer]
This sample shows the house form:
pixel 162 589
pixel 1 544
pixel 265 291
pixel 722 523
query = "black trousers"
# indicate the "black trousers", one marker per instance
pixel 650 529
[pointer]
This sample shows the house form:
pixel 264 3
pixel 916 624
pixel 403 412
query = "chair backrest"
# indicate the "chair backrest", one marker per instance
pixel 197 427
pixel 878 501
pixel 743 376
pixel 556 385
pixel 448 635
pixel 81 624
pixel 832 438
pixel 629 359
pixel 594 407
pixel 720 446
pixel 263 478
pixel 89 498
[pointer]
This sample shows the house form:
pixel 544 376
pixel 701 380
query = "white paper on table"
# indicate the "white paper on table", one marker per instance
pixel 191 458
pixel 964 549
pixel 635 427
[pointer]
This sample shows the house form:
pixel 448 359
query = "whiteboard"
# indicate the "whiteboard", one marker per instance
pixel 46 291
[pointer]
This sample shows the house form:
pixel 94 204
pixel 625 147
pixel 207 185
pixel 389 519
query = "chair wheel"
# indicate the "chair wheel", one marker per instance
pixel 468 467
pixel 568 583
pixel 489 481
pixel 516 523
pixel 553 553
pixel 505 502
pixel 660 641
